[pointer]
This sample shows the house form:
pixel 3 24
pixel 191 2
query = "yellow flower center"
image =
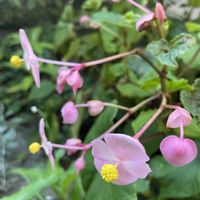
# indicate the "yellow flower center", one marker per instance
pixel 16 61
pixel 109 172
pixel 34 147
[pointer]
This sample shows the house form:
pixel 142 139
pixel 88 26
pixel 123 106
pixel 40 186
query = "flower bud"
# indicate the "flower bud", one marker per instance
pixel 95 107
pixel 177 117
pixel 84 20
pixel 80 164
pixel 178 151
pixel 69 113
pixel 73 142
pixel 160 12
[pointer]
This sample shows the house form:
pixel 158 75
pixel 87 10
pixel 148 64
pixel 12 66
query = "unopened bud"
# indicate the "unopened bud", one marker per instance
pixel 95 107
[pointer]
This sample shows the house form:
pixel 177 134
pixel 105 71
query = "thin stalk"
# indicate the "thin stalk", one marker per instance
pixel 146 10
pixel 61 146
pixel 151 120
pixel 116 106
pixel 181 131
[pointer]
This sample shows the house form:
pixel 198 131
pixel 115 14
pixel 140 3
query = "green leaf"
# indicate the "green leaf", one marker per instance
pixel 179 84
pixel 168 53
pixel 40 93
pixel 191 99
pixel 100 190
pixel 194 3
pixel 192 27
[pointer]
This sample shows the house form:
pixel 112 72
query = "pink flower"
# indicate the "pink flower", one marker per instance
pixel 73 142
pixel 45 144
pixel 180 115
pixel 144 21
pixel 69 113
pixel 85 19
pixel 178 151
pixel 95 107
pixel 29 57
pixel 70 77
pixel 80 163
pixel 120 159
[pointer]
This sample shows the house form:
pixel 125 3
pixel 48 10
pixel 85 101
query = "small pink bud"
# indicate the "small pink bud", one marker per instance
pixel 160 12
pixel 85 19
pixel 73 142
pixel 178 151
pixel 80 163
pixel 95 107
pixel 177 117
pixel 69 113
pixel 75 81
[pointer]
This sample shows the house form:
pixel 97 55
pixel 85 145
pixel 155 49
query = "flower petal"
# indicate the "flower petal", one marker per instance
pixel 101 151
pixel 25 42
pixel 125 148
pixel 178 151
pixel 36 73
pixel 125 177
pixel 42 130
pixel 137 169
pixel 143 21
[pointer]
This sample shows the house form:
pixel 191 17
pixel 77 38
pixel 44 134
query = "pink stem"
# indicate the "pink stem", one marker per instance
pixel 181 131
pixel 151 120
pixel 60 146
pixel 170 106
pixel 108 59
pixel 55 62
pixel 146 10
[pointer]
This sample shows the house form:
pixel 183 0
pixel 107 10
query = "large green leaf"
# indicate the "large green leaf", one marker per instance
pixel 100 190
pixel 168 53
pixel 191 99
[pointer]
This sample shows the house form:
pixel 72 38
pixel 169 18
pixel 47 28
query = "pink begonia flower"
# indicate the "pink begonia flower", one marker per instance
pixel 160 12
pixel 120 159
pixel 69 113
pixel 69 76
pixel 80 163
pixel 180 115
pixel 29 57
pixel 178 151
pixel 95 107
pixel 45 144
pixel 73 142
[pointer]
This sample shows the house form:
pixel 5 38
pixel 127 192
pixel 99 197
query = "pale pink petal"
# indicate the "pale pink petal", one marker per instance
pixel 42 130
pixel 137 169
pixel 125 177
pixel 159 12
pixel 52 162
pixel 75 81
pixel 73 142
pixel 125 148
pixel 60 88
pixel 178 151
pixel 36 73
pixel 25 42
pixel 69 113
pixel 101 151
pixel 180 115
pixel 144 21
pixel 95 107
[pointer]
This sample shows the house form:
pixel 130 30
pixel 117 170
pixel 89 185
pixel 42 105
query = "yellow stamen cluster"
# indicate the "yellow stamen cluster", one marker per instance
pixel 34 147
pixel 109 172
pixel 16 61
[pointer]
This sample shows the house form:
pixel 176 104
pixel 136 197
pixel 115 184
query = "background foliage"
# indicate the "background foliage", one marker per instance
pixel 54 31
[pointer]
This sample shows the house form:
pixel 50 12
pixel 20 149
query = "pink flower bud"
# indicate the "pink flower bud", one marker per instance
pixel 73 142
pixel 178 151
pixel 69 113
pixel 80 163
pixel 85 19
pixel 95 107
pixel 177 117
pixel 75 81
pixel 160 12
